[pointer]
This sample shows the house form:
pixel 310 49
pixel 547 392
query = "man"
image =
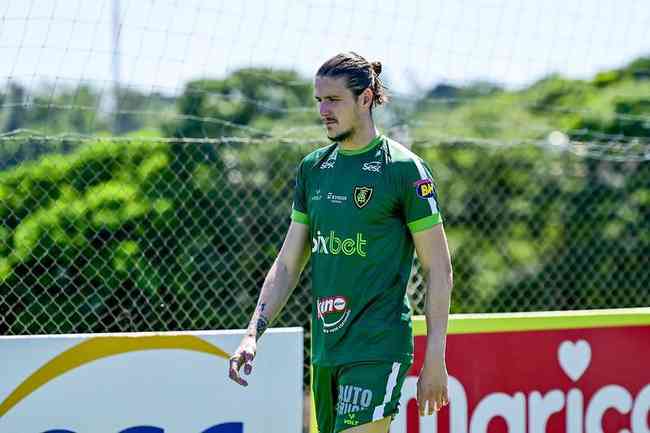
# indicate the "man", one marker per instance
pixel 361 207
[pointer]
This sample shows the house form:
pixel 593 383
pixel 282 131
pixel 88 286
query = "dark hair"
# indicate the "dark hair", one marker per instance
pixel 360 75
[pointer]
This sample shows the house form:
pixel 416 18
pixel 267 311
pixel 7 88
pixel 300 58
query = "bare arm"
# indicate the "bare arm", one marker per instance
pixel 280 281
pixel 433 253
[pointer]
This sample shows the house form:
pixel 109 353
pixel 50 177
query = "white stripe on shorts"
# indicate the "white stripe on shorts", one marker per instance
pixel 390 385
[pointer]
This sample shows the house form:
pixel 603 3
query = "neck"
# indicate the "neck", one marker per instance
pixel 361 137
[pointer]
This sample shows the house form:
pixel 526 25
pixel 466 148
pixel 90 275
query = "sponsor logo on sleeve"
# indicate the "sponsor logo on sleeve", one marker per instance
pixel 424 188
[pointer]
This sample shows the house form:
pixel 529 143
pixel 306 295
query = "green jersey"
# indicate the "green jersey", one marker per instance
pixel 361 207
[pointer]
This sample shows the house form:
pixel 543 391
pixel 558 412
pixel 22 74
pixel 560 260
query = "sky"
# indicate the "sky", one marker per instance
pixel 165 43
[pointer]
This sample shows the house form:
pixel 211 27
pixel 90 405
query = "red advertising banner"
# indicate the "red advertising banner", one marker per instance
pixel 577 372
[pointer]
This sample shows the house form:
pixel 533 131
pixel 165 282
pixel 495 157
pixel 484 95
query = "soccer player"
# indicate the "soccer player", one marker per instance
pixel 361 207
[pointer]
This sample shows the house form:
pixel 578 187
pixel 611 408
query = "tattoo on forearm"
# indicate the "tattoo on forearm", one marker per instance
pixel 262 324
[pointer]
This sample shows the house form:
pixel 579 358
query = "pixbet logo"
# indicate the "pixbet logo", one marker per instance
pixel 335 245
pixel 585 407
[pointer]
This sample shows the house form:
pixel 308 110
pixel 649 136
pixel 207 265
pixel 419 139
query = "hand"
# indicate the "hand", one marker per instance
pixel 432 387
pixel 244 355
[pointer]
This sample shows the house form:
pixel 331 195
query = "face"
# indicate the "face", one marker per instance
pixel 338 107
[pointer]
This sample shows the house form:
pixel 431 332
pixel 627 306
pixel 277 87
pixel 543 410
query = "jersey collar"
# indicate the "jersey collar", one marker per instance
pixel 375 141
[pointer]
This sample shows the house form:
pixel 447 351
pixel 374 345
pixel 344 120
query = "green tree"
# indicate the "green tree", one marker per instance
pixel 16 115
pixel 534 227
pixel 138 110
pixel 111 237
pixel 213 108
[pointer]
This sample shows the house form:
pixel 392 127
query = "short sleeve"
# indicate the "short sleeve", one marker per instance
pixel 420 199
pixel 299 209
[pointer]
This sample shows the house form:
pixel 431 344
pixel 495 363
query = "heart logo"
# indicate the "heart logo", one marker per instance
pixel 574 358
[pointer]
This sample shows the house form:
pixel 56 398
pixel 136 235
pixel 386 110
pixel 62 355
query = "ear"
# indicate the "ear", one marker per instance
pixel 365 98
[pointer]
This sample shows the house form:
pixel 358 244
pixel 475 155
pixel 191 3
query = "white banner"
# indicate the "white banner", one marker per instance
pixel 149 383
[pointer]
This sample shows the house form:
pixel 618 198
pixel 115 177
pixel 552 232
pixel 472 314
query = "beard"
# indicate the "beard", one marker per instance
pixel 342 136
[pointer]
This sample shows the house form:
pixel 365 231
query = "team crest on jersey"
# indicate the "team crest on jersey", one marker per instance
pixel 362 195
pixel 424 188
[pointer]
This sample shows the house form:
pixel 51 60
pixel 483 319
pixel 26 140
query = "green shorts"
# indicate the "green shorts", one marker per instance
pixel 354 394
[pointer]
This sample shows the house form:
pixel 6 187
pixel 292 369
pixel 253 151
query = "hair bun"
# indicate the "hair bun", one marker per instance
pixel 376 66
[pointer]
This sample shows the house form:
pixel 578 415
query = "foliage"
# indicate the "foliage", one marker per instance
pixel 150 235
pixel 225 107
pixel 536 228
pixel 120 235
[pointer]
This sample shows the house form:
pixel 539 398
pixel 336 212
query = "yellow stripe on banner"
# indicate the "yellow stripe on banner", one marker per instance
pixel 102 347
pixel 541 321
pixel 313 425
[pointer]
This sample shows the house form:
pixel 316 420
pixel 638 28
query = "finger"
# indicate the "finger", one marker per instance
pixel 423 407
pixel 237 378
pixel 236 361
pixel 433 407
pixel 233 365
pixel 436 403
pixel 442 398
pixel 445 397
pixel 248 362
pixel 233 373
pixel 420 400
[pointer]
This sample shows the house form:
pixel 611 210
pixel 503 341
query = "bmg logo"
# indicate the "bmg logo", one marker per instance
pixel 229 427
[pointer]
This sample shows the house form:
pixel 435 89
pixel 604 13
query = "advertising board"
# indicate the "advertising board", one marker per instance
pixel 548 372
pixel 149 383
pixel 566 372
